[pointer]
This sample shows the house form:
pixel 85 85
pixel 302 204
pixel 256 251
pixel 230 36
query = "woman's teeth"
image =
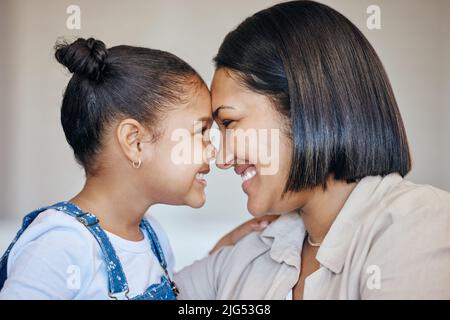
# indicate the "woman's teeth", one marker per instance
pixel 249 173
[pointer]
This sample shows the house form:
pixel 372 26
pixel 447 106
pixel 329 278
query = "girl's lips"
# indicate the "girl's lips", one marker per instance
pixel 200 177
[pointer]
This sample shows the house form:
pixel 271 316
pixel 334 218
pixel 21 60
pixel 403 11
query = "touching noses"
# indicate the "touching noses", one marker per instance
pixel 224 156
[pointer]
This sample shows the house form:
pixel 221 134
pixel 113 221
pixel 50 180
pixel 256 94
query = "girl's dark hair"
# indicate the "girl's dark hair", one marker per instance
pixel 322 74
pixel 121 81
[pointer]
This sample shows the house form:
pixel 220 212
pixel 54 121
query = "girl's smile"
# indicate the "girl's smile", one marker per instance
pixel 200 176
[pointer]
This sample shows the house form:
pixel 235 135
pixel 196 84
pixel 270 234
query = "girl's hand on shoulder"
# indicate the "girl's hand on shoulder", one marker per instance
pixel 256 224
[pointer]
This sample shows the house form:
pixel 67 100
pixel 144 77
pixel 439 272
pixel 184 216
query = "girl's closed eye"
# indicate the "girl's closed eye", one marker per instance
pixel 203 130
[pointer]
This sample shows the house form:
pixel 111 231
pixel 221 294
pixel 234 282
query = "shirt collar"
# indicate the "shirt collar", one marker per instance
pixel 285 235
pixel 285 238
pixel 367 193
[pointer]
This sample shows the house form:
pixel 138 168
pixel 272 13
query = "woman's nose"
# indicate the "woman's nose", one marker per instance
pixel 224 158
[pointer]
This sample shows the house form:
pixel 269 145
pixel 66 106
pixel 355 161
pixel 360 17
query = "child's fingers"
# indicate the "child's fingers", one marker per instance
pixel 244 229
pixel 261 223
pixel 256 224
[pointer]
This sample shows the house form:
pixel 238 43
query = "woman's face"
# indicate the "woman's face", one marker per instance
pixel 262 162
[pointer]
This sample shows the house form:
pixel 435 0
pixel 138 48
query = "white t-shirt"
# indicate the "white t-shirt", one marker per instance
pixel 58 258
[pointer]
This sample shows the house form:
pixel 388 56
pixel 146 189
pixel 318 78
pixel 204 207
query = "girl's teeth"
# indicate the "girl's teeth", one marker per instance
pixel 248 174
pixel 200 176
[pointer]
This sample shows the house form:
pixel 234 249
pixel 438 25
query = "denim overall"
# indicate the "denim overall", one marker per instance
pixel 118 285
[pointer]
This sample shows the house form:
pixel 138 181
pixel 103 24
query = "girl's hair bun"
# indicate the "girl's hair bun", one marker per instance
pixel 84 57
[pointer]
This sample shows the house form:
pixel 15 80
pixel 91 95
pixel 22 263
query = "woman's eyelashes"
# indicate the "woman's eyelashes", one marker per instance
pixel 227 122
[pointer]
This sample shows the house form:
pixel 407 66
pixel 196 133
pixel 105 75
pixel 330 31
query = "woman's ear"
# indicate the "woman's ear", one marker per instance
pixel 131 135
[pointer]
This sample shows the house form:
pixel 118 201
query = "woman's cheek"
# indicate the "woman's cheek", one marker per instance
pixel 176 172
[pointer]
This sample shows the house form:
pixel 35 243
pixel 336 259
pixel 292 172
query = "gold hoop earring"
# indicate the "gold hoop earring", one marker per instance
pixel 137 164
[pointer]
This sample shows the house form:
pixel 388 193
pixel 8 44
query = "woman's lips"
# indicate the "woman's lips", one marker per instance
pixel 240 168
pixel 247 173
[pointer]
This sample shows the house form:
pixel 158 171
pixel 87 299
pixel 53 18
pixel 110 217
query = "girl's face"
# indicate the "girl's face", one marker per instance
pixel 263 162
pixel 180 157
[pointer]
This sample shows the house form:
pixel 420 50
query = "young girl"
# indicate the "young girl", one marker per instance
pixel 118 113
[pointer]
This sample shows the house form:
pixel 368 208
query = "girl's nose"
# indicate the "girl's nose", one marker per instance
pixel 211 153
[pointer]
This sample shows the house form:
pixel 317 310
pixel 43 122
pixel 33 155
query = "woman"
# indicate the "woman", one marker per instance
pixel 351 227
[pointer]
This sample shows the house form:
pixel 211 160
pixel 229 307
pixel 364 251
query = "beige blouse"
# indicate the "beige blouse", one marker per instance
pixel 391 240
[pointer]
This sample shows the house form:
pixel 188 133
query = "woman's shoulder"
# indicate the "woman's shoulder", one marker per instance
pixel 408 198
pixel 407 238
pixel 408 209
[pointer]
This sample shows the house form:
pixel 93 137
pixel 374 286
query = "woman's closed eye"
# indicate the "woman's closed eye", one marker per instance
pixel 227 122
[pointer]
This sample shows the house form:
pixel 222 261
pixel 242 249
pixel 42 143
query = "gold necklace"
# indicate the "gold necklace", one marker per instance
pixel 311 243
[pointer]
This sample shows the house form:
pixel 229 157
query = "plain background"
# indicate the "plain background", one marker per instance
pixel 37 166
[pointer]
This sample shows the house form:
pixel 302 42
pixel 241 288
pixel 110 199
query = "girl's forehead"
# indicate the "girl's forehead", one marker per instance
pixel 198 106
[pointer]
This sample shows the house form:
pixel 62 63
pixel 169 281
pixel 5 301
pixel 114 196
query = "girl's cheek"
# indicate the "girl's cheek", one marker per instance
pixel 203 151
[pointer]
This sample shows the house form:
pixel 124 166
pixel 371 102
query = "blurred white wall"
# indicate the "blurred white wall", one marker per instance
pixel 445 89
pixel 37 167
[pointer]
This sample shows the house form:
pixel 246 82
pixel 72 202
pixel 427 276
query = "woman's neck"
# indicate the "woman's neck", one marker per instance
pixel 323 207
pixel 116 204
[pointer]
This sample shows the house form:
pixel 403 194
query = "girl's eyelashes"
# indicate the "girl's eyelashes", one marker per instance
pixel 202 131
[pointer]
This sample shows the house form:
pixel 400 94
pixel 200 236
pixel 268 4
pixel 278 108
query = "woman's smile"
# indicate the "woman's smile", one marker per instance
pixel 247 173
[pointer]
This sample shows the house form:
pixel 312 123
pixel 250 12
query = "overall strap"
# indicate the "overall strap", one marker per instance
pixel 116 276
pixel 154 243
pixel 159 253
pixel 27 220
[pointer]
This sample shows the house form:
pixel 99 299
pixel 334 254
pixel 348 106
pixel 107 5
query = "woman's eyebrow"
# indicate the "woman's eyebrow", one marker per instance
pixel 216 112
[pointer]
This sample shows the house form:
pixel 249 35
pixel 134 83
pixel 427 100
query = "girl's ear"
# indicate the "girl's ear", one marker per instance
pixel 131 136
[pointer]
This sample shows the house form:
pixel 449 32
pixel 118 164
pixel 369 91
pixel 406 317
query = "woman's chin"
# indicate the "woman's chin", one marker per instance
pixel 256 208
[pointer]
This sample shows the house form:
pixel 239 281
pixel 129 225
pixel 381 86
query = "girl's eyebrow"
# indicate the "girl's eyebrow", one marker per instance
pixel 216 112
pixel 208 120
